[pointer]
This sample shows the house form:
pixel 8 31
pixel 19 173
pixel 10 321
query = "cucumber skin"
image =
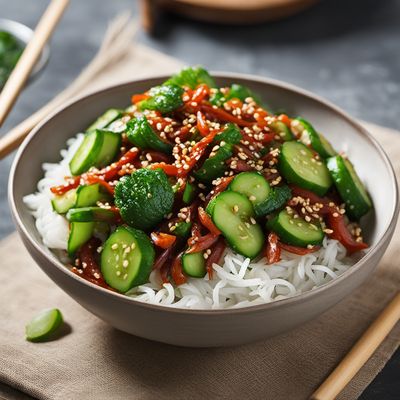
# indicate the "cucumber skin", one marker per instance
pixel 146 262
pixel 188 270
pixel 282 130
pixel 288 173
pixel 343 182
pixel 277 198
pixel 90 214
pixel 104 120
pixel 231 134
pixel 77 229
pixel 288 237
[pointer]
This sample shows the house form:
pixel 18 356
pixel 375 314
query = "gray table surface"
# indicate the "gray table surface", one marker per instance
pixel 346 51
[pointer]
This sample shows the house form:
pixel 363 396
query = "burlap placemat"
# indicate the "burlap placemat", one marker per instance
pixel 95 361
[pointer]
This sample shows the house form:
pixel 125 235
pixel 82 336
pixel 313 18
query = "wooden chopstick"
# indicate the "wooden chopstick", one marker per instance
pixel 360 353
pixel 30 55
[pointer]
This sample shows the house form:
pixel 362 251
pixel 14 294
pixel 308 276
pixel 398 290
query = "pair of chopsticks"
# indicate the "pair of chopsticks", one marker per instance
pixel 30 55
pixel 368 342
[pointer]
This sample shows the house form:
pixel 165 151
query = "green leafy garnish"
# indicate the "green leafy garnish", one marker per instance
pixel 192 77
pixel 165 98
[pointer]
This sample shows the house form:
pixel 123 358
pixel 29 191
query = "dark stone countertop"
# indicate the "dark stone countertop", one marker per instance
pixel 348 52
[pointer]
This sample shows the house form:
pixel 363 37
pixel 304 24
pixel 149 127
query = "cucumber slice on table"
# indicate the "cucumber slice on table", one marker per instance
pixel 43 325
pixel 295 231
pixel 105 120
pixel 127 258
pixel 194 265
pixel 282 130
pixel 214 167
pixel 89 214
pixel 309 136
pixel 277 198
pixel 298 165
pixel 79 234
pixel 233 215
pixel 349 186
pixel 61 204
pixel 97 149
pixel 253 185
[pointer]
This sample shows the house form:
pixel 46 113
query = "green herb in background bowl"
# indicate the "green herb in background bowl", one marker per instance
pixel 10 51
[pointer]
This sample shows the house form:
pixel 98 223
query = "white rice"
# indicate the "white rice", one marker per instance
pixel 237 282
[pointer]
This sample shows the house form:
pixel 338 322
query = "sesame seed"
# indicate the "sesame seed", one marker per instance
pixel 114 246
pixel 252 198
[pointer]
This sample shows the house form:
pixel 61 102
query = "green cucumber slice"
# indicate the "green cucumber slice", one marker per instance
pixel 127 258
pixel 298 165
pixel 295 231
pixel 88 214
pixel 349 186
pixel 43 325
pixel 214 167
pixel 231 134
pixel 309 136
pixel 79 234
pixel 104 120
pixel 233 215
pixel 142 135
pixel 86 155
pixel 253 185
pixel 282 130
pixel 188 193
pixel 89 195
pixel 109 149
pixel 277 198
pixel 194 265
pixel 61 204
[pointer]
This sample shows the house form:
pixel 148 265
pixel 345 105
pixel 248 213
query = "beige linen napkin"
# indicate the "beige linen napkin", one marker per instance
pixel 95 361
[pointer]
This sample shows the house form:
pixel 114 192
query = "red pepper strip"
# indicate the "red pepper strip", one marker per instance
pixel 260 118
pixel 197 151
pixel 207 222
pixel 301 251
pixel 342 234
pixel 216 253
pixel 158 156
pixel 136 98
pixel 307 194
pixel 200 93
pixel 111 171
pixel 285 119
pixel 72 183
pixel 203 243
pixel 225 116
pixel 162 258
pixel 195 234
pixel 169 169
pixel 273 251
pixel 202 126
pixel 176 270
pixel 163 240
pixel 90 179
pixel 90 269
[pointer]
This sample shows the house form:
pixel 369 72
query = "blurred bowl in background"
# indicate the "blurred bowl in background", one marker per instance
pixel 23 34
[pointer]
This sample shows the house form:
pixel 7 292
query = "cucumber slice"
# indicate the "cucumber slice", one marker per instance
pixel 43 325
pixel 194 265
pixel 89 195
pixel 182 229
pixel 141 134
pixel 86 155
pixel 61 204
pixel 276 199
pixel 109 148
pixel 309 136
pixel 127 258
pixel 188 193
pixel 104 120
pixel 253 185
pixel 231 134
pixel 282 130
pixel 295 231
pixel 233 215
pixel 79 234
pixel 210 205
pixel 298 165
pixel 349 186
pixel 214 167
pixel 88 214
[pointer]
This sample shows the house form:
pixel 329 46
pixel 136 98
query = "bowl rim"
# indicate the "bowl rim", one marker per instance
pixel 298 298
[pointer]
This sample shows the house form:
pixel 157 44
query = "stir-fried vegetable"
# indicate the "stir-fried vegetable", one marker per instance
pixel 190 169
